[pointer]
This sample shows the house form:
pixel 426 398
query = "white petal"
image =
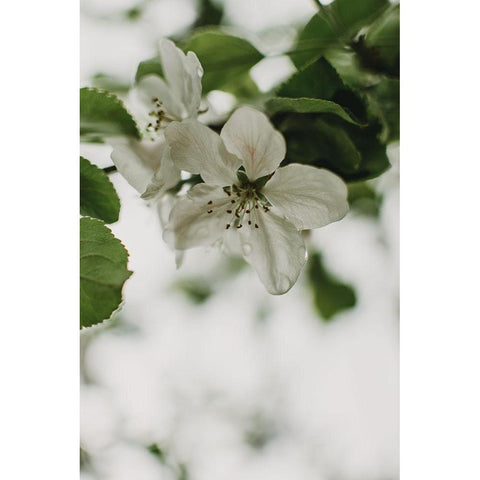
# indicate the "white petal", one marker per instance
pixel 152 86
pixel 250 135
pixel 309 197
pixel 183 75
pixel 190 224
pixel 276 250
pixel 166 176
pixel 197 149
pixel 137 161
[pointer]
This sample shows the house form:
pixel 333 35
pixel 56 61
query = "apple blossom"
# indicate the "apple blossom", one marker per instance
pixel 246 193
pixel 146 164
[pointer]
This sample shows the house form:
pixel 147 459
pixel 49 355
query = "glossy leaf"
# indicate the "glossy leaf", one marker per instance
pixel 225 58
pixel 98 197
pixel 308 105
pixel 320 80
pixel 103 114
pixel 334 25
pixel 103 271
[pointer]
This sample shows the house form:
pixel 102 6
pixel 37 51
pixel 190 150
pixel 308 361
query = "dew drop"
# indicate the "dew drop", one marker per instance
pixel 246 248
pixel 283 283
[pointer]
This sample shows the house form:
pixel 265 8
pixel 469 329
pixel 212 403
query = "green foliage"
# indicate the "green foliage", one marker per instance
pixel 335 25
pixel 338 137
pixel 330 296
pixel 320 80
pixel 103 81
pixel 152 66
pixel 363 199
pixel 210 14
pixel 226 60
pixel 379 49
pixel 103 114
pixel 98 198
pixel 307 105
pixel 197 290
pixel 103 271
pixel 384 101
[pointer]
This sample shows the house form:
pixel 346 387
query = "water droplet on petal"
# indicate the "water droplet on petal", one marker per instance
pixel 283 283
pixel 247 249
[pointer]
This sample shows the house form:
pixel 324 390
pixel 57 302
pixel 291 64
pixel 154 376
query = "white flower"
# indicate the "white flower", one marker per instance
pixel 146 164
pixel 267 216
pixel 176 96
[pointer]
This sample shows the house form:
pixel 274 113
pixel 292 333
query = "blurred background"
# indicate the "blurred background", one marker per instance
pixel 201 374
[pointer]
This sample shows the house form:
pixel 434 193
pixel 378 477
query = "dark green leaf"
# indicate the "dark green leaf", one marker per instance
pixel 209 14
pixel 335 25
pixel 197 290
pixel 330 296
pixel 384 101
pixel 320 80
pixel 363 199
pixel 307 105
pixel 379 49
pixel 103 114
pixel 225 58
pixel 152 66
pixel 352 152
pixel 98 197
pixel 103 271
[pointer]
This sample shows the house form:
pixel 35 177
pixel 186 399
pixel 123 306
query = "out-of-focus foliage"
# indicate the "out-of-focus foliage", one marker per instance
pixel 363 199
pixel 210 14
pixel 103 114
pixel 226 60
pixel 98 197
pixel 330 296
pixel 103 271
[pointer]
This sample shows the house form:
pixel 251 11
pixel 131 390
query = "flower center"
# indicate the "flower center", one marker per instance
pixel 241 205
pixel 160 117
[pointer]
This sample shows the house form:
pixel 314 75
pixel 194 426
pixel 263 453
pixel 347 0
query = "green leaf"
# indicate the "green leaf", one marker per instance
pixel 312 141
pixel 384 102
pixel 103 271
pixel 379 49
pixel 330 296
pixel 103 114
pixel 152 66
pixel 308 105
pixel 320 80
pixel 333 26
pixel 209 14
pixel 98 197
pixel 363 199
pixel 351 152
pixel 102 81
pixel 224 57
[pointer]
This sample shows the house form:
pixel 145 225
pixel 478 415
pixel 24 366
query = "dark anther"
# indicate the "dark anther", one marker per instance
pixel 249 222
pixel 229 211
pixel 210 211
pixel 247 211
pixel 256 226
pixel 210 202
pixel 233 201
pixel 239 226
